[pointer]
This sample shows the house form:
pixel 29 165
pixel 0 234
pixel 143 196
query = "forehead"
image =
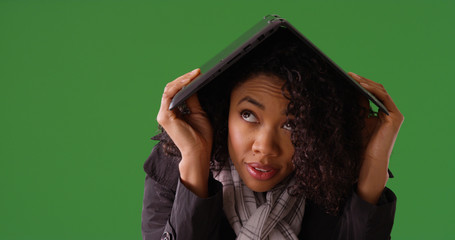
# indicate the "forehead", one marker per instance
pixel 265 85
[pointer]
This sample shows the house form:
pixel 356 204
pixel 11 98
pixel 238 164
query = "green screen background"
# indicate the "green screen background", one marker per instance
pixel 81 82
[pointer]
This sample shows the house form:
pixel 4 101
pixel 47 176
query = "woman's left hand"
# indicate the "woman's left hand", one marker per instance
pixel 379 134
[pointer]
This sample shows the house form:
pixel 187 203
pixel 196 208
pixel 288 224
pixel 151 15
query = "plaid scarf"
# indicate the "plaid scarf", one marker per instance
pixel 271 215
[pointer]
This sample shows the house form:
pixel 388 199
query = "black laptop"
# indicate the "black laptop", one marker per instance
pixel 269 26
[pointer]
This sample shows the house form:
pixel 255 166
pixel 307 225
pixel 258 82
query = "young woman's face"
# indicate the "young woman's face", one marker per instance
pixel 259 139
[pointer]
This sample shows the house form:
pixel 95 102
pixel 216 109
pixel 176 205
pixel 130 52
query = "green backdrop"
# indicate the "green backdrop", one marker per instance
pixel 81 81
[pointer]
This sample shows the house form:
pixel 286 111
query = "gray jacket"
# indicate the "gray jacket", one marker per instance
pixel 171 211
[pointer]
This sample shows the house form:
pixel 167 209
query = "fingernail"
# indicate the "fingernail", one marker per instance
pixel 364 84
pixel 195 70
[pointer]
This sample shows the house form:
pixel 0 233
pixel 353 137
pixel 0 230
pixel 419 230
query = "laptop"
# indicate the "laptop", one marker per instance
pixel 270 25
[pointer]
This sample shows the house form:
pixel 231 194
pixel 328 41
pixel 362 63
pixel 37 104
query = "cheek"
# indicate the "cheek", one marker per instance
pixel 289 152
pixel 237 140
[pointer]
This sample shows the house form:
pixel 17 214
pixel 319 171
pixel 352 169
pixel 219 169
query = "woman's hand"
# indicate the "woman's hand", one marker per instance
pixel 192 134
pixel 379 137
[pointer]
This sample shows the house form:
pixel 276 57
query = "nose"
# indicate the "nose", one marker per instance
pixel 266 143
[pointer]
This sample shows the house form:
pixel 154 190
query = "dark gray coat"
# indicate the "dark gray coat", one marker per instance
pixel 171 211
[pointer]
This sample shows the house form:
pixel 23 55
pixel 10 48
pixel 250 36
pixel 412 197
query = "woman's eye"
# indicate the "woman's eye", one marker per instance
pixel 288 126
pixel 248 116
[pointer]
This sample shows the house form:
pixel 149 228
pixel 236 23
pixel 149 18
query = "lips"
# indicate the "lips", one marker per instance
pixel 260 171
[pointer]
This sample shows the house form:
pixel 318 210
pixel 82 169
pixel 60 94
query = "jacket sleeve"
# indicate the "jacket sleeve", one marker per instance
pixel 363 220
pixel 359 220
pixel 170 210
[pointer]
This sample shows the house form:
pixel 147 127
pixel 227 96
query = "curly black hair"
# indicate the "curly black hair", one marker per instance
pixel 328 118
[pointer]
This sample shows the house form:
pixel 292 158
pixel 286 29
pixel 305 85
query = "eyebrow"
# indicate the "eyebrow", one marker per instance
pixel 252 101
pixel 256 103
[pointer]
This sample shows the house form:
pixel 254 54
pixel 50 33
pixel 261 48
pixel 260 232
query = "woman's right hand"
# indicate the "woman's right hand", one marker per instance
pixel 192 134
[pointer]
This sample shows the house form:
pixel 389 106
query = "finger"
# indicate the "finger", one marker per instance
pixel 382 95
pixel 188 76
pixel 173 87
pixel 170 90
pixel 364 102
pixel 375 88
pixel 360 79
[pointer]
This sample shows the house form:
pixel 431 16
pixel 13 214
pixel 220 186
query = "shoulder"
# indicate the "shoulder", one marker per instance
pixel 162 168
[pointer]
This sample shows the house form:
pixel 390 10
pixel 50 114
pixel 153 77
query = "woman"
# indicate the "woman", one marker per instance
pixel 275 149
